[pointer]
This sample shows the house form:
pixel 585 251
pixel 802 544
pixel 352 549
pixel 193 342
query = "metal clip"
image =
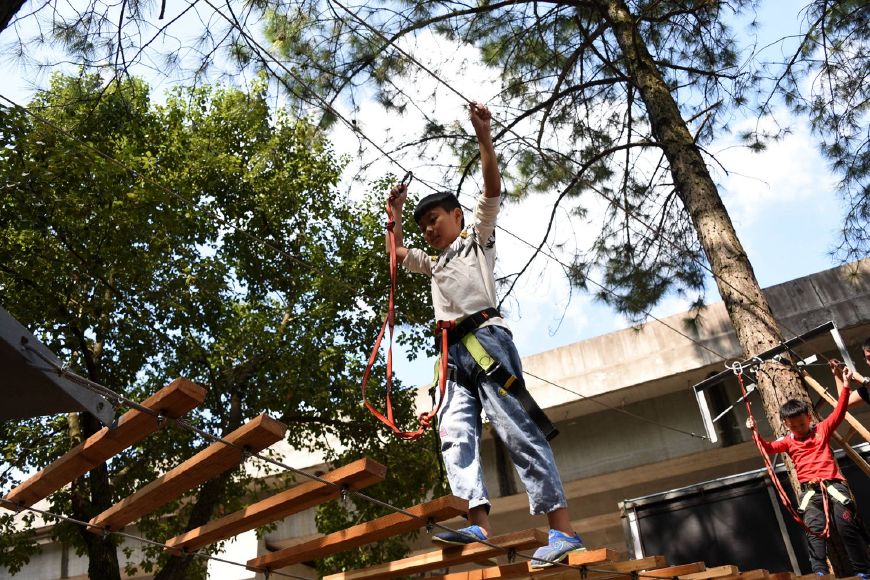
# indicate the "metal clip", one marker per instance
pixel 407 179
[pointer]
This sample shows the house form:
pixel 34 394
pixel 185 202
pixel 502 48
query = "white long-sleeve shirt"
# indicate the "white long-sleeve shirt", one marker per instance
pixel 462 275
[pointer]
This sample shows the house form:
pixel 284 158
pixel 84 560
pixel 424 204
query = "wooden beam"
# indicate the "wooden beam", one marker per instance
pixel 617 569
pixel 522 570
pixel 850 419
pixel 253 436
pixel 436 510
pixel 717 572
pixel 173 400
pixel 748 575
pixel 781 576
pixel 853 455
pixel 473 552
pixel 357 475
pixel 516 570
pixel 672 571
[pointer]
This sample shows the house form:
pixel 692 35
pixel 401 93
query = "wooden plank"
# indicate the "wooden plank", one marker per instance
pixel 254 436
pixel 853 455
pixel 782 576
pixel 620 569
pixel 522 569
pixel 816 577
pixel 173 400
pixel 674 571
pixel 437 510
pixel 850 419
pixel 592 556
pixel 357 475
pixel 453 556
pixel 717 572
pixel 516 570
pixel 748 575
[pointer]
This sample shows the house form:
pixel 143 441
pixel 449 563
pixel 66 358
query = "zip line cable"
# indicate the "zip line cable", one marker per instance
pixel 356 129
pixel 106 391
pixel 628 211
pixel 221 219
pixel 343 490
pixel 106 531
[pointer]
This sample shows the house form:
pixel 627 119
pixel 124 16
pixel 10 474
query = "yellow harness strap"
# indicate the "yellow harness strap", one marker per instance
pixel 483 358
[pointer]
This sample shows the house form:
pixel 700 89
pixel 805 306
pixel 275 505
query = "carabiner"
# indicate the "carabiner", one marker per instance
pixel 407 179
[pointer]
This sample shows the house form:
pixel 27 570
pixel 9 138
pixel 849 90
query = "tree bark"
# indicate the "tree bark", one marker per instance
pixel 92 495
pixel 747 306
pixel 8 10
pixel 210 496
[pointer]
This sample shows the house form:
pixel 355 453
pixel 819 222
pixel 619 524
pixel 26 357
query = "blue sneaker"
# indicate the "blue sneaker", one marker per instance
pixel 460 537
pixel 556 550
pixel 863 576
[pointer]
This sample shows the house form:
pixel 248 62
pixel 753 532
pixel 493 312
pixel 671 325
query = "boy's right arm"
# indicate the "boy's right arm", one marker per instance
pixel 778 446
pixel 398 195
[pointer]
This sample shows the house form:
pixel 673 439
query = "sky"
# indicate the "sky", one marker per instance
pixel 782 202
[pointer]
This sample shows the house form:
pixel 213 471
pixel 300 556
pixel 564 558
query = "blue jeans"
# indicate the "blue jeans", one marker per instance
pixel 460 426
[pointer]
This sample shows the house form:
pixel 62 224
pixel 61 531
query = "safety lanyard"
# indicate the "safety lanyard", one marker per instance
pixel 783 496
pixel 424 419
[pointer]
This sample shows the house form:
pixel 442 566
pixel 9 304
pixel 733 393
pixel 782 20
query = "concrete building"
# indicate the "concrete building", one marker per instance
pixel 626 411
pixel 630 425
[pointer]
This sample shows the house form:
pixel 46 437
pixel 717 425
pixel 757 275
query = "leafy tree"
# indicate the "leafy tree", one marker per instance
pixel 216 247
pixel 826 80
pixel 608 98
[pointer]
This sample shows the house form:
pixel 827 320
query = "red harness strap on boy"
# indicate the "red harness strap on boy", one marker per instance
pixel 424 419
pixel 783 496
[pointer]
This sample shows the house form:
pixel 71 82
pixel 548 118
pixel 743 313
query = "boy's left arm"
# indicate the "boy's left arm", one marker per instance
pixel 481 120
pixel 833 420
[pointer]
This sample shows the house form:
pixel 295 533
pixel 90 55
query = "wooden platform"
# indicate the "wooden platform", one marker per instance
pixel 173 401
pixel 253 436
pixel 438 510
pixel 474 552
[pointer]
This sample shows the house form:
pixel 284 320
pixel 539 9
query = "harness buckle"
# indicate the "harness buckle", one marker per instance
pixel 492 369
pixel 444 325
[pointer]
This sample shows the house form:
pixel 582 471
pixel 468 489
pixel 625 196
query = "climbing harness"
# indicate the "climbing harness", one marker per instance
pixel 463 331
pixel 783 496
pixel 388 419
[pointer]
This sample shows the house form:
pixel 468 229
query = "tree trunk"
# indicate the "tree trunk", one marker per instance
pixel 210 496
pixel 747 306
pixel 8 10
pixel 92 494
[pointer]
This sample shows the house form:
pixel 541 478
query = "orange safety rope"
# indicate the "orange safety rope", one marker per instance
pixel 783 496
pixel 424 419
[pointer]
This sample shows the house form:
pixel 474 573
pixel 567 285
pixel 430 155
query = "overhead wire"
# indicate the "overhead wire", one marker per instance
pixel 355 128
pixel 343 490
pixel 247 234
pixel 106 531
pixel 224 221
pixel 628 211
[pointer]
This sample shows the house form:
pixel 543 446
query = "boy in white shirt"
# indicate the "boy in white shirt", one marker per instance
pixel 484 361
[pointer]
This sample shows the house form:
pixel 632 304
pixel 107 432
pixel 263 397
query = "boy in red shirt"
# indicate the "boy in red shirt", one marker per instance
pixel 808 446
